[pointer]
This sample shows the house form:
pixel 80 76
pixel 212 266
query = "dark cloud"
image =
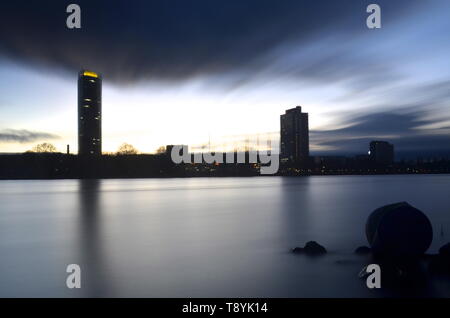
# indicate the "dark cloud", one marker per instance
pixel 24 136
pixel 178 39
pixel 381 124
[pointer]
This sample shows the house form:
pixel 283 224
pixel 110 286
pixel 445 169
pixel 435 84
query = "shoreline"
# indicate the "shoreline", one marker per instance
pixel 222 176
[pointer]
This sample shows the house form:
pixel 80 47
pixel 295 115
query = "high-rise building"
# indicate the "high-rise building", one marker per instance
pixel 294 136
pixel 89 113
pixel 381 152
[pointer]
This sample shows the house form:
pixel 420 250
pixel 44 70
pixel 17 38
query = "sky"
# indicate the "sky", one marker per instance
pixel 200 71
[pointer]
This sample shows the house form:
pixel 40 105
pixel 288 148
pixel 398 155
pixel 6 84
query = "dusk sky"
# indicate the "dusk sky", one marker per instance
pixel 185 71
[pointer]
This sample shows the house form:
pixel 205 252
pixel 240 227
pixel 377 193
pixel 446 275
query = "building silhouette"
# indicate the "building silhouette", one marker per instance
pixel 294 136
pixel 89 113
pixel 381 152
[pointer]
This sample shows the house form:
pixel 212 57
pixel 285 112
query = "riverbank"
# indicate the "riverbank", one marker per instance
pixel 34 166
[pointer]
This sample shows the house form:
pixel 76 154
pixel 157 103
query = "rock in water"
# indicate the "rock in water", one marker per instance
pixel 314 248
pixel 440 263
pixel 311 248
pixel 399 230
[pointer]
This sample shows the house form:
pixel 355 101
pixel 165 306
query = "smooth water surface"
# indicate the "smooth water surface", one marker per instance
pixel 202 237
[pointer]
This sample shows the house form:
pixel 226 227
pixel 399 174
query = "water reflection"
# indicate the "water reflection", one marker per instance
pixel 94 267
pixel 212 237
pixel 295 207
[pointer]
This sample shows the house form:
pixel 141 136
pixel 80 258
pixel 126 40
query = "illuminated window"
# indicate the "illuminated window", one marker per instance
pixel 91 74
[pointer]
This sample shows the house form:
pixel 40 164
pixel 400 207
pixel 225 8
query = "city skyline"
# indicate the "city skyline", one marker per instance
pixel 357 84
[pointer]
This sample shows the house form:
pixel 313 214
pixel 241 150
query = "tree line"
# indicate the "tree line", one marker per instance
pixel 124 149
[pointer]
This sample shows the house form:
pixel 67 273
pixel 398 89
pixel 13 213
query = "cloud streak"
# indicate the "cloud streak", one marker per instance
pixel 24 136
pixel 400 128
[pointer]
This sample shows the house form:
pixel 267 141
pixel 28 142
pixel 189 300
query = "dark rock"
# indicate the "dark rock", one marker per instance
pixel 399 231
pixel 362 250
pixel 311 248
pixel 444 253
pixel 440 264
pixel 314 248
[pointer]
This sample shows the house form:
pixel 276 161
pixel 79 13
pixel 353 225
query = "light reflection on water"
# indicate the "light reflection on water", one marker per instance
pixel 201 237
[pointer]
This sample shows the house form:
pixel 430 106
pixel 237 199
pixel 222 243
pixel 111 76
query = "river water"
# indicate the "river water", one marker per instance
pixel 203 237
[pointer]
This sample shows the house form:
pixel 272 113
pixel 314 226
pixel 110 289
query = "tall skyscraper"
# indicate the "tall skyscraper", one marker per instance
pixel 381 152
pixel 294 133
pixel 89 113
